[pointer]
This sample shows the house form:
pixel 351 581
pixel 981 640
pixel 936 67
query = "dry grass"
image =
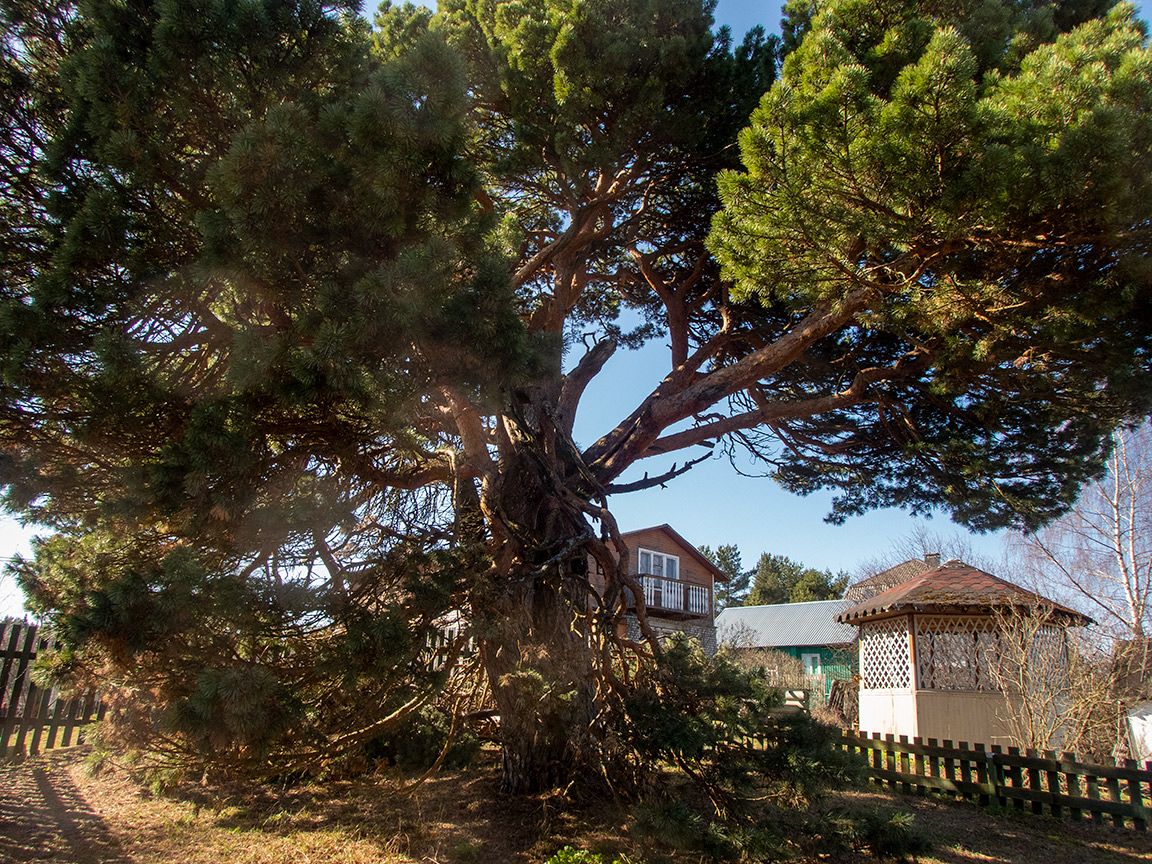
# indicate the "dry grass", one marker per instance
pixel 51 809
pixel 459 817
pixel 252 831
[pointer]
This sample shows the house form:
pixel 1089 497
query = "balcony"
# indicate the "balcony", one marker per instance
pixel 671 598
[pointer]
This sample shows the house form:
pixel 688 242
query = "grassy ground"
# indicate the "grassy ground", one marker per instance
pixel 964 833
pixel 51 809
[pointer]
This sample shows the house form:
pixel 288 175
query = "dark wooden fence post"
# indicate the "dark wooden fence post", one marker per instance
pixel 949 773
pixel 1053 783
pixel 877 758
pixel 1030 778
pixel 999 779
pixel 1113 784
pixel 1134 796
pixel 1017 777
pixel 905 769
pixel 933 758
pixel 890 758
pixel 1094 795
pixel 33 719
pixel 1072 779
pixel 1034 782
pixel 919 765
pixel 982 773
pixel 965 768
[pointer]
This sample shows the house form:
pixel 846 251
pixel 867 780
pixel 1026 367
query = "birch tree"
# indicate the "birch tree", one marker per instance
pixel 1100 554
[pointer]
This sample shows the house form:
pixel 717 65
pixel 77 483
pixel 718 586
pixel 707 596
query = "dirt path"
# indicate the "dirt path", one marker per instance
pixel 44 817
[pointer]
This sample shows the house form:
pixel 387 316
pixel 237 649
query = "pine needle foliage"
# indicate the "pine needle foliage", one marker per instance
pixel 946 164
pixel 238 250
pixel 298 314
pixel 742 769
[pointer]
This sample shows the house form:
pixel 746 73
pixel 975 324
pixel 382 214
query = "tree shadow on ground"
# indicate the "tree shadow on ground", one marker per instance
pixel 453 815
pixel 45 817
pixel 962 832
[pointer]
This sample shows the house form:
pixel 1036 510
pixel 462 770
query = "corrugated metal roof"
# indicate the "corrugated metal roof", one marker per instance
pixel 784 624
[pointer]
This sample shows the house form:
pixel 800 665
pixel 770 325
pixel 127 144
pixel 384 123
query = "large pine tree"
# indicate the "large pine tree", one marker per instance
pixel 286 303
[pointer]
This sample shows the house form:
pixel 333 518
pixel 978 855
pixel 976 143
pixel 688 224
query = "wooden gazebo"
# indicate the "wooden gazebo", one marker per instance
pixel 929 648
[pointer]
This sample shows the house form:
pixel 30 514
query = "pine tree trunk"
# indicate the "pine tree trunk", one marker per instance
pixel 533 625
pixel 542 672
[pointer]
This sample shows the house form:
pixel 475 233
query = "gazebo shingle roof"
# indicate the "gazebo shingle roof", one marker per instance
pixel 953 587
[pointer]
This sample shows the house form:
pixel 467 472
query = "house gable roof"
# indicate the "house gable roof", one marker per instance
pixel 886 579
pixel 954 587
pixel 716 572
pixel 782 625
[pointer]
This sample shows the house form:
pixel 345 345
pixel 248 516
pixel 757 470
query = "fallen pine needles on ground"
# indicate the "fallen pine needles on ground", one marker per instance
pixel 53 809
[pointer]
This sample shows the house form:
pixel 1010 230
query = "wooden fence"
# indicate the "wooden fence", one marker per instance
pixel 1032 780
pixel 33 719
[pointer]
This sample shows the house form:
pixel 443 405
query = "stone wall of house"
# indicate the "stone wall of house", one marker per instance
pixel 704 633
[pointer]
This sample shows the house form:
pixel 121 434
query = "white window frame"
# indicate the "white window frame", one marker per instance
pixel 811 663
pixel 665 559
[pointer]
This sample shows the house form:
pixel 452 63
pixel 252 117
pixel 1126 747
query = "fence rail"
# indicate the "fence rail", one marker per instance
pixel 33 718
pixel 1030 780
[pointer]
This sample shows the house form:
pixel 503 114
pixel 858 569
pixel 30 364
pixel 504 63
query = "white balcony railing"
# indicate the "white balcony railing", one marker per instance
pixel 672 595
pixel 698 600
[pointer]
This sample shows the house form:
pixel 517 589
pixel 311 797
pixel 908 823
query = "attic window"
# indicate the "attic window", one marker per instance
pixel 658 564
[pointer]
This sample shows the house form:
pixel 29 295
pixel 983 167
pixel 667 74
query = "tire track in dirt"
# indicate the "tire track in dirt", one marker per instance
pixel 45 818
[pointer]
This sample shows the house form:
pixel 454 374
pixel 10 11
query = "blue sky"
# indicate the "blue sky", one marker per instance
pixel 742 15
pixel 711 504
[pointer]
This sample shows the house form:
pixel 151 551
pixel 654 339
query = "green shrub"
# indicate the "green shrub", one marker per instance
pixel 744 779
pixel 570 855
pixel 887 835
pixel 465 851
pixel 416 744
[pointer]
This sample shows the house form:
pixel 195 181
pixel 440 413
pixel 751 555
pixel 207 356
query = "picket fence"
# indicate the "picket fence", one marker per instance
pixel 33 719
pixel 1030 780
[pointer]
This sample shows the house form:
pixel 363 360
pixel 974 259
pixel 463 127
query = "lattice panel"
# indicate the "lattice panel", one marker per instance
pixel 886 664
pixel 1045 659
pixel 1049 641
pixel 956 652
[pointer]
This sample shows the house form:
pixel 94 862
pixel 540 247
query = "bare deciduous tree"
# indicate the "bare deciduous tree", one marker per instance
pixel 1057 695
pixel 922 540
pixel 1099 556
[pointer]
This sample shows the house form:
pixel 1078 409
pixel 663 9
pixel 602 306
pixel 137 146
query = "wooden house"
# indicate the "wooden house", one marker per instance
pixel 891 577
pixel 928 649
pixel 678 583
pixel 808 632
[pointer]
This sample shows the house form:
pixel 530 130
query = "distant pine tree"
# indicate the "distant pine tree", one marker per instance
pixel 727 558
pixel 779 579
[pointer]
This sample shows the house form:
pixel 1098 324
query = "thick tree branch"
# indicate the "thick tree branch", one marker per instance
pixel 578 379
pixel 673 298
pixel 773 412
pixel 470 425
pixel 677 397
